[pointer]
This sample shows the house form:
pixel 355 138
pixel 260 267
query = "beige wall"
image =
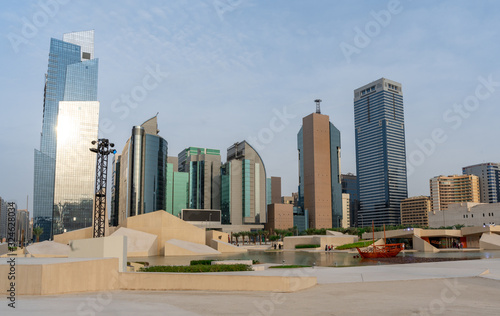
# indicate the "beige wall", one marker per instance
pixel 224 247
pixel 105 247
pixel 468 214
pixel 217 235
pixel 289 243
pixel 65 238
pixel 279 216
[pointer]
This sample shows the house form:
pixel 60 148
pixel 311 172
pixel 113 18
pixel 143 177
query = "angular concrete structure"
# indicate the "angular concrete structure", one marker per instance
pixel 105 247
pixel 139 244
pixel 48 249
pixel 490 241
pixel 225 247
pixel 176 247
pixel 422 245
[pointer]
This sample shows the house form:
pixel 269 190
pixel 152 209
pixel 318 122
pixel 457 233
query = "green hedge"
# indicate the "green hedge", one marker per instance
pixel 359 244
pixel 307 246
pixel 198 268
pixel 200 262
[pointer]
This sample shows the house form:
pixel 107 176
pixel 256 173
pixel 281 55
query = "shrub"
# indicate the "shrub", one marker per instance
pixel 307 246
pixel 200 262
pixel 359 244
pixel 198 268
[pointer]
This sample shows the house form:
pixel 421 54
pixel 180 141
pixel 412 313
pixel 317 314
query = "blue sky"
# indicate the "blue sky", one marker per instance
pixel 225 68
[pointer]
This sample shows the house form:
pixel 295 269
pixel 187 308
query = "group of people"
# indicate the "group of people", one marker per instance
pixel 329 248
pixel 279 246
pixel 458 245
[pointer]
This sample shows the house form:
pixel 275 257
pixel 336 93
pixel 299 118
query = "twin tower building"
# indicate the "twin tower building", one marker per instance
pixel 146 179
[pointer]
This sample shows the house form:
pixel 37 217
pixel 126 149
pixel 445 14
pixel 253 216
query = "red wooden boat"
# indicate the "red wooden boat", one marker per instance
pixel 380 251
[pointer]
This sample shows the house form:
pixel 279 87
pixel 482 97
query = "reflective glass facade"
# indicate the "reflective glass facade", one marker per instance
pixel 380 152
pixel 489 180
pixel 70 77
pixel 74 190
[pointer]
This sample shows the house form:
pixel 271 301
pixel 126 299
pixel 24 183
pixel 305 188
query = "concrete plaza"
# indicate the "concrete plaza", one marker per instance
pixel 469 287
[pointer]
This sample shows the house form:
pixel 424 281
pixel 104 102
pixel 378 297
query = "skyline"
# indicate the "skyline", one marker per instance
pixel 234 70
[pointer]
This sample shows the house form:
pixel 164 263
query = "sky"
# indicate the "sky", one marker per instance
pixel 223 71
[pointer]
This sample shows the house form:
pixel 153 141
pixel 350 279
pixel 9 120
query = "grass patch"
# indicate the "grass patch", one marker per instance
pixel 359 244
pixel 290 266
pixel 198 268
pixel 307 246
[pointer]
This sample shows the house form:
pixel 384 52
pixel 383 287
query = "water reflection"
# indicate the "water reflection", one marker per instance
pixel 325 259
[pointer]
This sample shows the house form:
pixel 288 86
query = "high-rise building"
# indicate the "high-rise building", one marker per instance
pixel 346 209
pixel 142 173
pixel 489 180
pixel 415 210
pixel 3 218
pixel 23 227
pixel 279 216
pixel 243 186
pixel 320 191
pixel 177 188
pixel 273 190
pixel 446 190
pixel 71 76
pixel 350 186
pixel 203 166
pixel 380 151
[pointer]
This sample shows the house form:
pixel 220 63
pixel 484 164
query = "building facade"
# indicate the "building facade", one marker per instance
pixel 467 214
pixel 415 211
pixel 346 209
pixel 446 190
pixel 142 173
pixel 320 191
pixel 279 216
pixel 203 166
pixel 380 151
pixel 243 186
pixel 71 76
pixel 23 230
pixel 489 180
pixel 350 186
pixel 177 185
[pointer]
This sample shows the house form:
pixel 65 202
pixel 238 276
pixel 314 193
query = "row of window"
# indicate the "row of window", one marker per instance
pixel 472 215
pixel 368 90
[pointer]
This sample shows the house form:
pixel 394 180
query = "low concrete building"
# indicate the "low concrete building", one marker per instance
pixel 415 210
pixel 468 214
pixel 290 242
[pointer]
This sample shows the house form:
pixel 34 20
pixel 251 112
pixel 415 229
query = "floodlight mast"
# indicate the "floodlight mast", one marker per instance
pixel 318 110
pixel 102 150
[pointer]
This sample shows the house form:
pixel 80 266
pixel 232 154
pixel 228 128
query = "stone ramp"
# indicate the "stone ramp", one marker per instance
pixel 176 247
pixel 225 247
pixel 48 249
pixel 139 244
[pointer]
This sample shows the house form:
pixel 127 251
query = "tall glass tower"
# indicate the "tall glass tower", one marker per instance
pixel 380 152
pixel 71 76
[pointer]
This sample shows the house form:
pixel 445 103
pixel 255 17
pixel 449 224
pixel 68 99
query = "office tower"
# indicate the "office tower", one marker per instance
pixel 71 76
pixel 489 180
pixel 142 173
pixel 446 190
pixel 320 191
pixel 203 165
pixel 346 210
pixel 415 210
pixel 74 185
pixel 350 186
pixel 177 195
pixel 23 227
pixel 279 216
pixel 243 186
pixel 273 190
pixel 380 151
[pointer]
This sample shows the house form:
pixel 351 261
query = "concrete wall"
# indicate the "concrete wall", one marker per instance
pixel 217 235
pixel 176 247
pixel 202 282
pixel 139 244
pixel 490 241
pixel 468 214
pixel 289 243
pixel 65 238
pixel 422 245
pixel 105 247
pixel 224 247
pixel 60 276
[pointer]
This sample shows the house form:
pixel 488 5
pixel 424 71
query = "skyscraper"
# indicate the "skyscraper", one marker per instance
pixel 446 190
pixel 71 76
pixel 350 186
pixel 320 191
pixel 142 173
pixel 489 180
pixel 380 151
pixel 243 186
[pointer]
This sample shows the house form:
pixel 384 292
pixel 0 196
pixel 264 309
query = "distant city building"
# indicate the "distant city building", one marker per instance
pixel 300 218
pixel 71 77
pixel 350 186
pixel 279 216
pixel 320 190
pixel 3 219
pixel 203 166
pixel 446 190
pixel 23 229
pixel 275 190
pixel 287 200
pixel 142 173
pixel 489 180
pixel 380 151
pixel 466 213
pixel 346 209
pixel 177 186
pixel 243 186
pixel 415 211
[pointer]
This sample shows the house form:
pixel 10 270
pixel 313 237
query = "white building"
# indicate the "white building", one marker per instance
pixel 467 213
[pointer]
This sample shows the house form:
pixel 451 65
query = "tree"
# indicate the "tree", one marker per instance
pixel 260 233
pixel 236 235
pixel 37 231
pixel 254 236
pixel 266 234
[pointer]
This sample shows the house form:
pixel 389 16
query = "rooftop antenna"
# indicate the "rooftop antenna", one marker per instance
pixel 318 110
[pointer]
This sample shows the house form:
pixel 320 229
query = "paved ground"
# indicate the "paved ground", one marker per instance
pixel 444 288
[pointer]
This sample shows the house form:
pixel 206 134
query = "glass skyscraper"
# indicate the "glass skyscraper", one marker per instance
pixel 71 76
pixel 380 152
pixel 489 180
